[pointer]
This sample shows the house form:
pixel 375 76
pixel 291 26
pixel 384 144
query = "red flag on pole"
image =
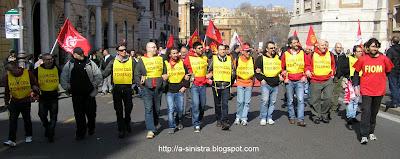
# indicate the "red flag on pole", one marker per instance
pixel 311 38
pixel 194 38
pixel 359 38
pixel 170 43
pixel 213 32
pixel 69 38
pixel 295 33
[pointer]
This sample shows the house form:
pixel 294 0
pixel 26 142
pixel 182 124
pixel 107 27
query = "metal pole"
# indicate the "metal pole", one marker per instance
pixel 21 30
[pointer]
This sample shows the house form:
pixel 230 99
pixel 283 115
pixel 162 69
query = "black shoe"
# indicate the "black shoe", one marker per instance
pixel 316 120
pixel 46 132
pixel 79 138
pixel 51 139
pixel 128 128
pixel 225 126
pixel 121 134
pixel 91 132
pixel 325 120
pixel 219 124
pixel 349 121
pixel 354 120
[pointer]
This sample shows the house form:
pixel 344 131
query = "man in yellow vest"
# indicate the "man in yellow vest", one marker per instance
pixel 294 64
pixel 196 62
pixel 222 69
pixel 268 69
pixel 48 75
pixel 20 86
pixel 244 82
pixel 321 71
pixel 121 69
pixel 178 82
pixel 151 73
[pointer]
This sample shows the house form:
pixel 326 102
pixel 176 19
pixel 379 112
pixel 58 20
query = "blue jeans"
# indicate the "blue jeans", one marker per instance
pixel 175 104
pixel 298 88
pixel 243 101
pixel 268 100
pixel 152 103
pixel 394 86
pixel 351 110
pixel 198 104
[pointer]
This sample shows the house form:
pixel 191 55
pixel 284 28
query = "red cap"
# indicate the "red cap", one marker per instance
pixel 245 47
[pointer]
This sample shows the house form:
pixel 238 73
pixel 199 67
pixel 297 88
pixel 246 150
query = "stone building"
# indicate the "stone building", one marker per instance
pixel 190 18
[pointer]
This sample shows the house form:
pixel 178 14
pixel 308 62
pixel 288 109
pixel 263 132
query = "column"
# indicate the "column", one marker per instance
pixel 67 8
pixel 301 6
pixel 44 27
pixel 99 35
pixel 111 33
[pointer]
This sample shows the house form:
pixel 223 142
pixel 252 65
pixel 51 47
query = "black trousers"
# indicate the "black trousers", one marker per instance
pixel 221 97
pixel 48 107
pixel 84 107
pixel 15 109
pixel 369 109
pixel 122 98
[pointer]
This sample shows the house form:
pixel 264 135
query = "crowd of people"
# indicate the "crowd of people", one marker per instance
pixel 325 80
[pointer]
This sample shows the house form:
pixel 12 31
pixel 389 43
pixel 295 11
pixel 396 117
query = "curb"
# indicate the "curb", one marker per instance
pixel 393 111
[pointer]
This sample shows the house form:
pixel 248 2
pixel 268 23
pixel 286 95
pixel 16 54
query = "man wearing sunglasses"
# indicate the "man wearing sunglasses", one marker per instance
pixel 121 70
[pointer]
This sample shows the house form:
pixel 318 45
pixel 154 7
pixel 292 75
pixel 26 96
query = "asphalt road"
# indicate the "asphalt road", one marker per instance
pixel 280 141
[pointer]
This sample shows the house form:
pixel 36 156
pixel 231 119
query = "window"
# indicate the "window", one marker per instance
pixel 151 5
pixel 151 24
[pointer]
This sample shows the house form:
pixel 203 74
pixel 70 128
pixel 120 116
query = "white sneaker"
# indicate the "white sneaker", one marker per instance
pixel 372 137
pixel 10 143
pixel 270 122
pixel 237 121
pixel 263 122
pixel 150 135
pixel 197 129
pixel 28 139
pixel 364 140
pixel 244 122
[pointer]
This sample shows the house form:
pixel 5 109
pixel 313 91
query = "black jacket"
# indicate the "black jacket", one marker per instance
pixel 272 81
pixel 393 53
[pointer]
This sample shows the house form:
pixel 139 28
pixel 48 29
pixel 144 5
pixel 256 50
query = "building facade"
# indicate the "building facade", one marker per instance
pixel 337 21
pixel 190 18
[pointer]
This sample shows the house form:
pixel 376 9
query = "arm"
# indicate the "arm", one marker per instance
pixel 6 90
pixel 139 72
pixel 108 70
pixel 65 76
pixel 98 78
pixel 34 83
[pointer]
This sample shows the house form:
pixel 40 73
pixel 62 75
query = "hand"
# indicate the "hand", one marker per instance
pixel 258 70
pixel 286 80
pixel 263 82
pixel 142 79
pixel 165 77
pixel 357 91
pixel 308 74
pixel 281 78
pixel 303 79
pixel 183 89
pixel 209 75
pixel 284 72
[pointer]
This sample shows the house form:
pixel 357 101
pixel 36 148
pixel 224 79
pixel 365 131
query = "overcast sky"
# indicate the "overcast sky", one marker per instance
pixel 235 3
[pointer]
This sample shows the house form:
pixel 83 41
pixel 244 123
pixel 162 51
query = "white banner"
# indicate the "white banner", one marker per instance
pixel 12 24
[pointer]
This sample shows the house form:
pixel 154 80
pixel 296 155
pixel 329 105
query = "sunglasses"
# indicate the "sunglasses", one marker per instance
pixel 199 48
pixel 122 50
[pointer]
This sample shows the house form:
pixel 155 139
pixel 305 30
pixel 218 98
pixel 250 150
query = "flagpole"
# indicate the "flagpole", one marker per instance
pixel 55 43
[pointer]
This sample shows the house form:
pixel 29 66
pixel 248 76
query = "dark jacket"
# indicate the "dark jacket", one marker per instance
pixel 33 82
pixel 272 81
pixel 152 83
pixel 109 69
pixel 104 63
pixel 393 53
pixel 343 67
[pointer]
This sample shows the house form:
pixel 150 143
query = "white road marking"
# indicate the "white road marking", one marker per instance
pixel 388 116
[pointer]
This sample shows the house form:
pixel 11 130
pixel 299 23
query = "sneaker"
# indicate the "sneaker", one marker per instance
pixel 197 129
pixel 171 130
pixel 263 122
pixel 372 137
pixel 364 140
pixel 150 135
pixel 28 139
pixel 225 126
pixel 10 143
pixel 237 121
pixel 219 124
pixel 244 122
pixel 270 122
pixel 180 126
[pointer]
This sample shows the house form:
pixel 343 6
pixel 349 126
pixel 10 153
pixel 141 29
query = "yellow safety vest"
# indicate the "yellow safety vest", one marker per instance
pixel 271 66
pixel 20 87
pixel 199 65
pixel 48 79
pixel 245 70
pixel 176 73
pixel 294 63
pixel 352 61
pixel 122 72
pixel 153 66
pixel 322 64
pixel 222 71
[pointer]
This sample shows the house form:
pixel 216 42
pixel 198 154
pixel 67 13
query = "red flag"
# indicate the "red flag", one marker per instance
pixel 194 38
pixel 359 38
pixel 170 43
pixel 214 47
pixel 213 32
pixel 69 38
pixel 295 33
pixel 311 38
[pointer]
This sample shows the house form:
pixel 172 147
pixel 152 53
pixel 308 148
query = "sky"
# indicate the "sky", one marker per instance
pixel 235 3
